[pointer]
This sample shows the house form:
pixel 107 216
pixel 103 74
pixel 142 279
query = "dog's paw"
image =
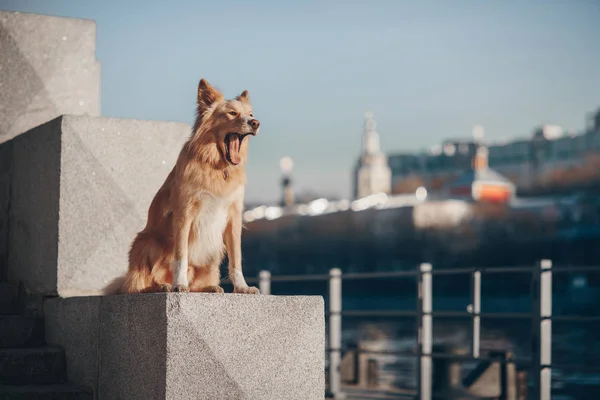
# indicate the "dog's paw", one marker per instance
pixel 213 289
pixel 165 287
pixel 181 288
pixel 247 290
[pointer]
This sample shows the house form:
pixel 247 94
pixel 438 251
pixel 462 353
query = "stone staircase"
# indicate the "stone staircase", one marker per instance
pixel 75 188
pixel 29 368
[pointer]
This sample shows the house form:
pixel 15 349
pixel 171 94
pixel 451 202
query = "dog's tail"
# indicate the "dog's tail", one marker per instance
pixel 138 277
pixel 137 280
pixel 114 287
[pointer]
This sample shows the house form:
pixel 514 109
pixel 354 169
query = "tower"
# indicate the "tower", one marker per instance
pixel 480 160
pixel 372 173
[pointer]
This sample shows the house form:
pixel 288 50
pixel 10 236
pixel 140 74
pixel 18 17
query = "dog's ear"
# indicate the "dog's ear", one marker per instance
pixel 207 95
pixel 243 97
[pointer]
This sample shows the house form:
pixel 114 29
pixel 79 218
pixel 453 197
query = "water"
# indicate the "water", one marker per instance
pixel 575 344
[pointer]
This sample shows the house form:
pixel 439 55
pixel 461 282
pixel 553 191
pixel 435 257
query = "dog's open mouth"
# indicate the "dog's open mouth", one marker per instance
pixel 233 144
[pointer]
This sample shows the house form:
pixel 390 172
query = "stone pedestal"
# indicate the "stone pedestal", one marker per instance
pixel 192 346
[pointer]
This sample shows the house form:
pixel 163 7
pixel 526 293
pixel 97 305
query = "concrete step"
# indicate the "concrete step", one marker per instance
pixel 45 392
pixel 39 366
pixel 10 298
pixel 21 331
pixel 109 165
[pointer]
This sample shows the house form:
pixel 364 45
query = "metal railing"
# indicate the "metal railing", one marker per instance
pixel 541 317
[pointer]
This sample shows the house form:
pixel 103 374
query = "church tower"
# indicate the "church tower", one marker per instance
pixel 372 173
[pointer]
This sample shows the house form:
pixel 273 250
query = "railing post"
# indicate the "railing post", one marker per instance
pixel 425 331
pixel 545 329
pixel 542 330
pixel 476 310
pixel 264 282
pixel 335 331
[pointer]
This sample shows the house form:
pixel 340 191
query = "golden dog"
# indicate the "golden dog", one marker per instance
pixel 197 213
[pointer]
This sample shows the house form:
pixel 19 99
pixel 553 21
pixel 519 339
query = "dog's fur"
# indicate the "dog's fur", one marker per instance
pixel 197 213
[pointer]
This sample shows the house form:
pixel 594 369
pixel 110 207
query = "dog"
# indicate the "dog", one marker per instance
pixel 197 213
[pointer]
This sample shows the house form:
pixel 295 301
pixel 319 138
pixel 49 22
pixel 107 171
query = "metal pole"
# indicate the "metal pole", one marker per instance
pixel 545 329
pixel 264 282
pixel 476 310
pixel 542 330
pixel 419 323
pixel 425 331
pixel 335 331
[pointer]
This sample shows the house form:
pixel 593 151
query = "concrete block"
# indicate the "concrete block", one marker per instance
pixel 48 68
pixel 193 345
pixel 81 188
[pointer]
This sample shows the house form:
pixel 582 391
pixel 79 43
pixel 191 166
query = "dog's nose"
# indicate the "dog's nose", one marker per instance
pixel 254 123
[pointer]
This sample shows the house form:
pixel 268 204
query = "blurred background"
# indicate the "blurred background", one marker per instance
pixel 462 134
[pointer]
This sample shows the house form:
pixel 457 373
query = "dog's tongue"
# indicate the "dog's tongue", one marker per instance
pixel 234 150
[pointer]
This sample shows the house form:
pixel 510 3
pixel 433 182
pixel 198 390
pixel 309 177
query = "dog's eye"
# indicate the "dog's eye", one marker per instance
pixel 232 113
pixel 252 115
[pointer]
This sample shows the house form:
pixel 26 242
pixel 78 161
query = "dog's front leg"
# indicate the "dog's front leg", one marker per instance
pixel 233 243
pixel 183 223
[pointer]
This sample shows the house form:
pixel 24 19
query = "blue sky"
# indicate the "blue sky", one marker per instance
pixel 429 70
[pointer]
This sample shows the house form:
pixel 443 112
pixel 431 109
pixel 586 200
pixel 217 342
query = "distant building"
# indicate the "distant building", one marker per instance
pixel 550 158
pixel 481 183
pixel 433 170
pixel 371 173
